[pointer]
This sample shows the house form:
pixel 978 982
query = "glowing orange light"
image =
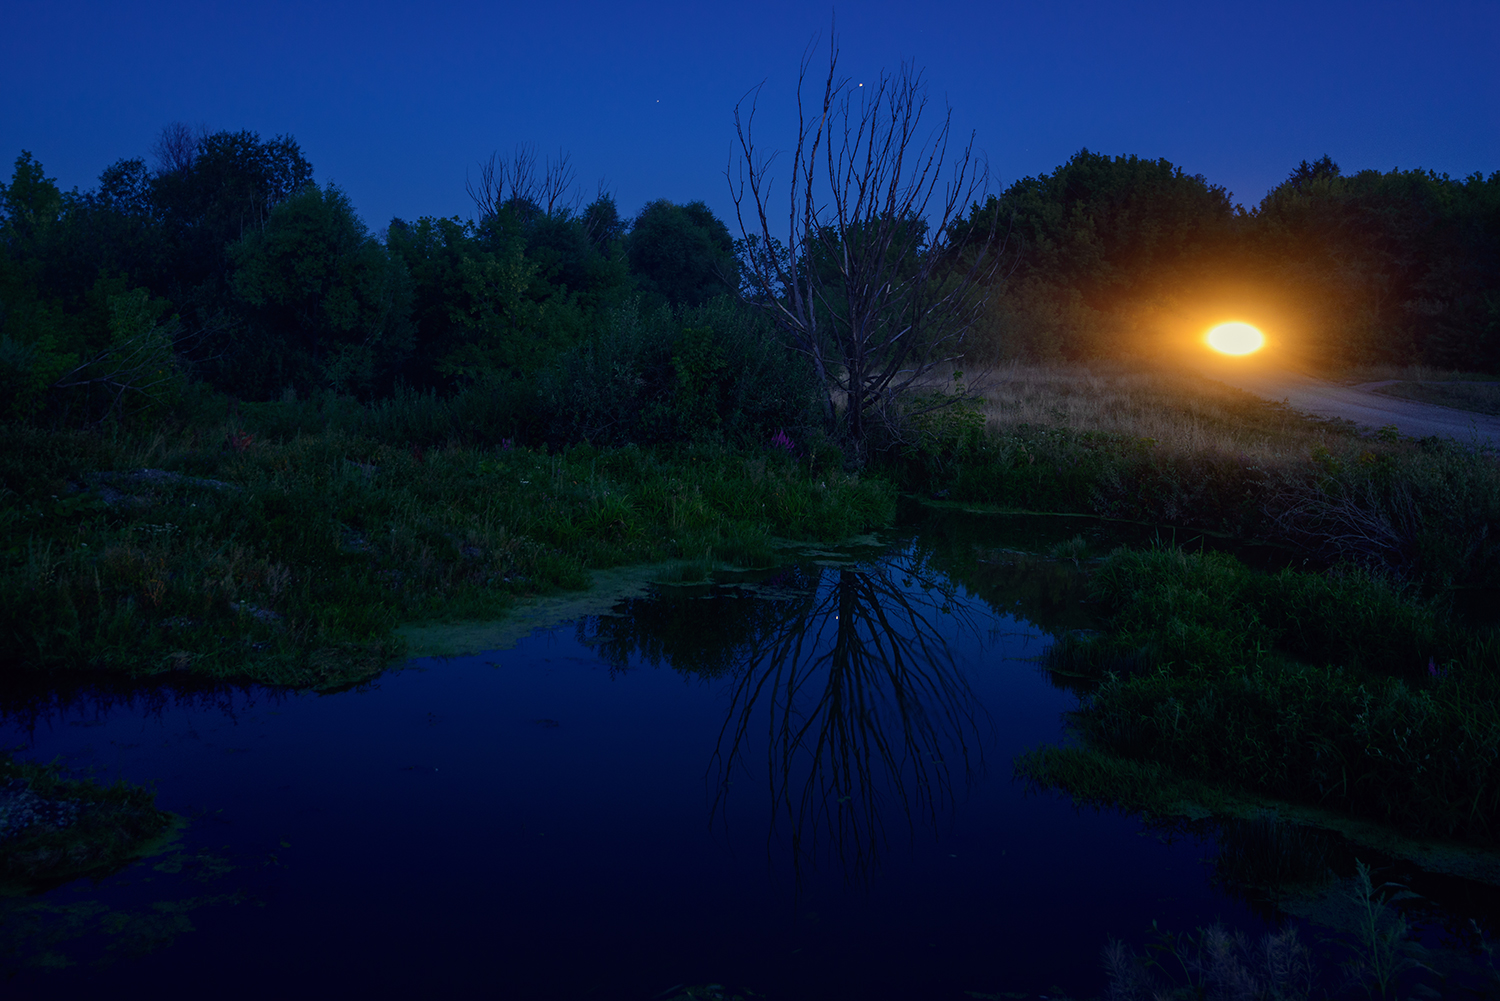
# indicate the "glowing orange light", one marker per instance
pixel 1236 339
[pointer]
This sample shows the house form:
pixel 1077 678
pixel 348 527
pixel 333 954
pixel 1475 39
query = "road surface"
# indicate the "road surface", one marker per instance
pixel 1361 404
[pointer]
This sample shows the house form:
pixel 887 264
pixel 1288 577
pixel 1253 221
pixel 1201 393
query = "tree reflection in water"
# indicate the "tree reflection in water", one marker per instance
pixel 844 677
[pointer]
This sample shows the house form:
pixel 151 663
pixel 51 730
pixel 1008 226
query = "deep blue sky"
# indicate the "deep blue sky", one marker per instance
pixel 395 101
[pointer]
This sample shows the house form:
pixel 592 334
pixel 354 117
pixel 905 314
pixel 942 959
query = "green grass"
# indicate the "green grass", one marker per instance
pixel 1420 510
pixel 292 561
pixel 1339 689
pixel 109 826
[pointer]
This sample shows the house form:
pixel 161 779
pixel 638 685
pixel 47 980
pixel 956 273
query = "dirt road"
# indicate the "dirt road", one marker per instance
pixel 1361 404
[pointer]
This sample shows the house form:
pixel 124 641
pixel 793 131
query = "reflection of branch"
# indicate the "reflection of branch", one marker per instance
pixel 860 689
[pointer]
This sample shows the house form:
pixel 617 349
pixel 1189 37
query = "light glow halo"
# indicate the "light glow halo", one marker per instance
pixel 1236 339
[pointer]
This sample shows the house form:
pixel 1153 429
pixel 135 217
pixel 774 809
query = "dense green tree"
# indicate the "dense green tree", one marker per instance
pixel 681 254
pixel 715 372
pixel 220 189
pixel 603 225
pixel 433 252
pixel 325 304
pixel 1400 266
pixel 1110 255
pixel 33 332
pixel 504 296
pixel 30 203
pixel 1103 251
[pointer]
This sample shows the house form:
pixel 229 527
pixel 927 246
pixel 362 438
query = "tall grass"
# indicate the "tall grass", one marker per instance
pixel 233 553
pixel 1182 412
pixel 1173 447
pixel 1341 690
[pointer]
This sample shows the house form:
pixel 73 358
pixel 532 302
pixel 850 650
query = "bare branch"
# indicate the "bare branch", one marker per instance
pixel 879 282
pixel 176 147
pixel 524 181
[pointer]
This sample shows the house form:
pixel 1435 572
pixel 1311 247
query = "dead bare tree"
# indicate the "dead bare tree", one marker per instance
pixel 873 282
pixel 546 185
pixel 176 147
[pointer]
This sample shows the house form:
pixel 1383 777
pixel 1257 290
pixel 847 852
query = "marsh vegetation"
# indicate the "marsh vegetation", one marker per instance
pixel 245 440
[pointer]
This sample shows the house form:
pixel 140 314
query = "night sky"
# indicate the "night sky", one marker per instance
pixel 395 102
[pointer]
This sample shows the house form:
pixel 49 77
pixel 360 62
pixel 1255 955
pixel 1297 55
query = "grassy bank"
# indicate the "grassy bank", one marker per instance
pixel 54 829
pixel 1172 447
pixel 235 551
pixel 1335 689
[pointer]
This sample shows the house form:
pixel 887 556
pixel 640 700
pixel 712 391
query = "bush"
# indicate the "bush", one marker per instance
pixel 707 373
pixel 1339 689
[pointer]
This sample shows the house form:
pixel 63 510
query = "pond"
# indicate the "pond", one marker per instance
pixel 796 781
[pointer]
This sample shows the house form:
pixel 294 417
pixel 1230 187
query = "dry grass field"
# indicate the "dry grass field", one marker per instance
pixel 1182 412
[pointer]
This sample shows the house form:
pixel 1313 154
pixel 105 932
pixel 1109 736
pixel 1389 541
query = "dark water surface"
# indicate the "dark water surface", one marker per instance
pixel 795 782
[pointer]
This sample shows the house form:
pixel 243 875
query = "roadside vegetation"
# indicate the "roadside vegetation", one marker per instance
pixel 1157 445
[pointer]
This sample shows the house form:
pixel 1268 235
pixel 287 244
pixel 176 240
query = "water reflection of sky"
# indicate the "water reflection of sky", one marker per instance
pixel 555 820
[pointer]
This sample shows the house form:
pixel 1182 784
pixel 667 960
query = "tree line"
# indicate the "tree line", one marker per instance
pixel 1122 255
pixel 224 266
pixel 224 263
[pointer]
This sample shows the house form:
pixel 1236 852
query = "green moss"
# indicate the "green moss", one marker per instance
pixel 84 828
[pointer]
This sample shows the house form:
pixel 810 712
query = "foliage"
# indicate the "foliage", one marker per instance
pixel 1335 689
pixel 1127 255
pixel 1101 248
pixel 291 562
pixel 77 828
pixel 681 253
pixel 325 303
pixel 712 373
pixel 267 285
pixel 1396 267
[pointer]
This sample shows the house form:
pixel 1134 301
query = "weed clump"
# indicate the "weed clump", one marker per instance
pixel 54 829
pixel 292 561
pixel 1337 689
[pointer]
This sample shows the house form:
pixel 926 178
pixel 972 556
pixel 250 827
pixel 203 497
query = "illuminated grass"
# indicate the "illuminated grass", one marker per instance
pixel 1176 449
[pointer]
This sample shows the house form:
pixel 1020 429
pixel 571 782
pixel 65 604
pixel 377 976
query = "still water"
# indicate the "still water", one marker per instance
pixel 796 782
